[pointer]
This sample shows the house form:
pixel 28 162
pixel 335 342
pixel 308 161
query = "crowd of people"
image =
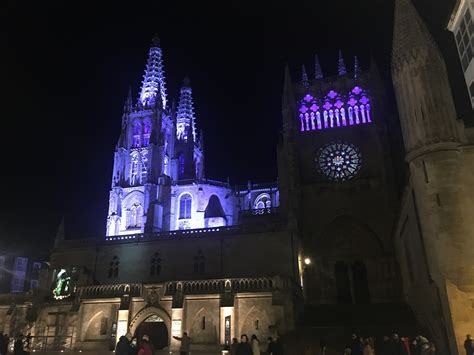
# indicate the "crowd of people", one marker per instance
pixel 21 344
pixel 393 345
pixel 252 347
pixel 128 345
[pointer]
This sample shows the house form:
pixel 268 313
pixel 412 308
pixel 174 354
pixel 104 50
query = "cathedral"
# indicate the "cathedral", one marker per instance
pixel 335 229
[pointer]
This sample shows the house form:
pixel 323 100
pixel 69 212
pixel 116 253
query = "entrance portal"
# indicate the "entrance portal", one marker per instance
pixel 156 330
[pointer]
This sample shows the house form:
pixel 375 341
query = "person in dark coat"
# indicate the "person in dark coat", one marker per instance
pixel 356 345
pixel 271 346
pixel 244 347
pixel 3 345
pixel 468 345
pixel 18 345
pixel 278 347
pixel 123 346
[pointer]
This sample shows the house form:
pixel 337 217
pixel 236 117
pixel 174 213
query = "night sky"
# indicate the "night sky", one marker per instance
pixel 68 70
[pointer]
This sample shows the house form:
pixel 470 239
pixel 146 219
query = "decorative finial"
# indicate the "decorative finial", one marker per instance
pixel 356 68
pixel 304 77
pixel 341 67
pixel 318 73
pixel 156 40
pixel 186 81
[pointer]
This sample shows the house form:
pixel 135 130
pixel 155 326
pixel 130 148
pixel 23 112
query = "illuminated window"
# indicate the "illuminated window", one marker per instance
pixel 339 161
pixel 146 134
pixel 134 216
pixel 185 203
pixel 199 263
pixel 134 169
pixel 464 38
pixel 155 266
pixel 114 267
pixel 263 201
pixel 136 135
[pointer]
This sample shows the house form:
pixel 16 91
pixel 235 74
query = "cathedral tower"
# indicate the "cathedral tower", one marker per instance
pixel 142 155
pixel 435 240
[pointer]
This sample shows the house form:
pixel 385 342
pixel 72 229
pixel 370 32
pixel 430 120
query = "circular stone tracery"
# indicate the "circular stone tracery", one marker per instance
pixel 339 161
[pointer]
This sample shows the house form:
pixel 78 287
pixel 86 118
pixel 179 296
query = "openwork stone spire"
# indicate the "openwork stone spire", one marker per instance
pixel 153 83
pixel 304 77
pixel 185 117
pixel 356 68
pixel 341 67
pixel 318 73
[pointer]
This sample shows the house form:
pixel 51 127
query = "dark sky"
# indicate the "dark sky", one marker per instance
pixel 68 70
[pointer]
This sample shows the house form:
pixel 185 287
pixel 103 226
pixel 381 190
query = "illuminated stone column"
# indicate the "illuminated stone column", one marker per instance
pixel 176 327
pixel 122 323
pixel 226 324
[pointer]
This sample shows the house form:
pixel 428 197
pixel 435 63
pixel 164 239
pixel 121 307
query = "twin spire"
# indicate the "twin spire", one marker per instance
pixel 318 73
pixel 153 84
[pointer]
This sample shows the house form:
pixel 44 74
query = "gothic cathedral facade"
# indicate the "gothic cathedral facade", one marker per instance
pixel 184 253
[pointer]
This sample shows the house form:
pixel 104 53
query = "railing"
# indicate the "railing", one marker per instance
pixel 198 232
pixel 202 181
pixel 257 186
pixel 17 298
pixel 259 211
pixel 106 291
pixel 260 284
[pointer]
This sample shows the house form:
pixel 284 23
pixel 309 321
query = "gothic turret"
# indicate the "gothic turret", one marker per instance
pixel 304 77
pixel 318 73
pixel 188 150
pixel 341 67
pixel 425 103
pixel 153 83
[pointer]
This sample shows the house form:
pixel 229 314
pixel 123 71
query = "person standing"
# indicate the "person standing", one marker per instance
pixel 468 345
pixel 368 347
pixel 244 347
pixel 3 345
pixel 255 345
pixel 185 343
pixel 145 348
pixel 123 346
pixel 356 345
pixel 233 346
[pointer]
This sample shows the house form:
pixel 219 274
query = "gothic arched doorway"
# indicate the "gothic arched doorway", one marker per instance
pixel 155 327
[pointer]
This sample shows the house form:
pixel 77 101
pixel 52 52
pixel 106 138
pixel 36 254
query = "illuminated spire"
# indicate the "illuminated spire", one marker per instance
pixel 304 77
pixel 341 67
pixel 356 68
pixel 127 107
pixel 185 118
pixel 318 73
pixel 153 83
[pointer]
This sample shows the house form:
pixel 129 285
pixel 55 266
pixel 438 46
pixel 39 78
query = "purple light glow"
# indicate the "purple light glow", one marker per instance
pixel 357 90
pixel 364 100
pixel 352 101
pixel 314 107
pixel 335 110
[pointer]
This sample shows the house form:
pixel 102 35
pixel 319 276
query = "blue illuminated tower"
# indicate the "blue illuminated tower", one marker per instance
pixel 143 156
pixel 188 150
pixel 154 78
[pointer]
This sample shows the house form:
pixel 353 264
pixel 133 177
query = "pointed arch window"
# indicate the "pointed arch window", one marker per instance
pixel 114 267
pixel 134 169
pixel 135 216
pixel 136 135
pixel 185 204
pixel 146 134
pixel 199 263
pixel 155 265
pixel 263 201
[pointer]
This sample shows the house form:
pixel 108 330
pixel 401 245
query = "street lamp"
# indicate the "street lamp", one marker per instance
pixel 307 261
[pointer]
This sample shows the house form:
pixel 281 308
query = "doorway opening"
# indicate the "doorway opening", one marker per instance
pixel 155 327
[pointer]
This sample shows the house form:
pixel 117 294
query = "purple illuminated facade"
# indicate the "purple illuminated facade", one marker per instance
pixel 158 181
pixel 334 110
